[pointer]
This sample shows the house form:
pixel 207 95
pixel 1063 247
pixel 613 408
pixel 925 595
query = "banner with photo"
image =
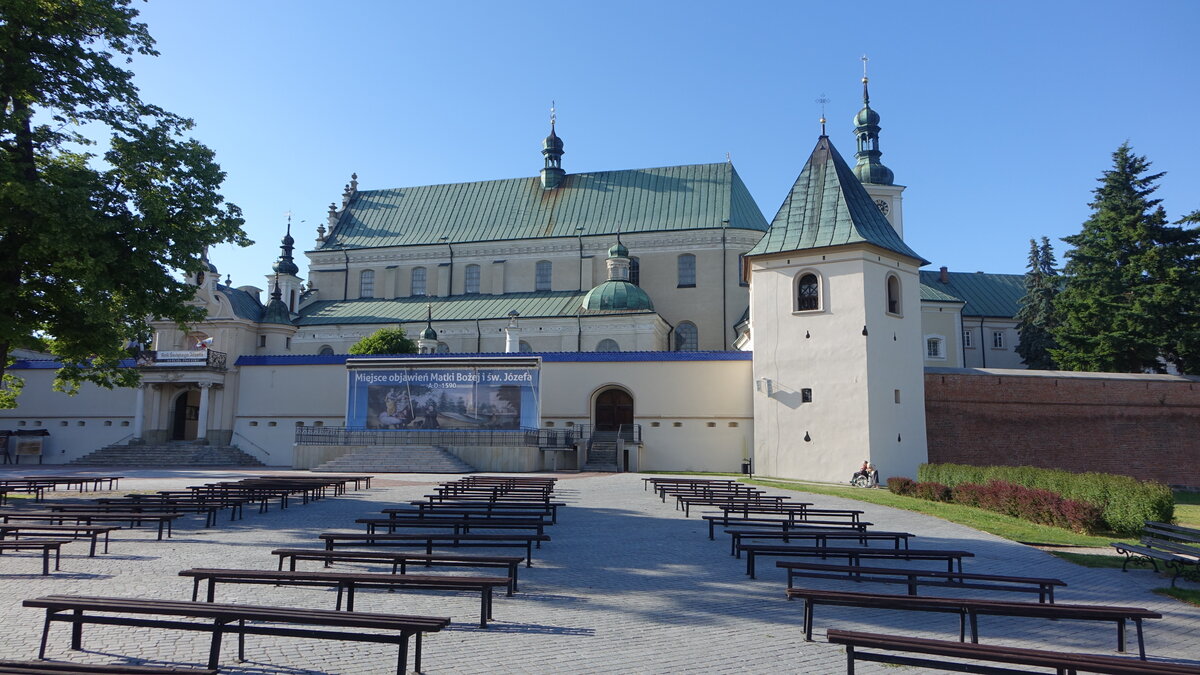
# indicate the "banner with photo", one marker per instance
pixel 443 398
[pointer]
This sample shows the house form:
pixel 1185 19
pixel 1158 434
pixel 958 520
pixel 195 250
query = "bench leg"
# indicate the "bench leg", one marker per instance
pixel 485 609
pixel 45 634
pixel 750 563
pixel 350 596
pixel 77 630
pixel 808 619
pixel 212 590
pixel 402 661
pixel 45 561
pixel 1141 642
pixel 241 640
pixel 92 548
pixel 214 648
pixel 849 659
pixel 195 588
pixel 529 554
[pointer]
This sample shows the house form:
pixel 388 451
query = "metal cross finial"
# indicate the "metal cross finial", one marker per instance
pixel 864 60
pixel 728 158
pixel 823 100
pixel 553 113
pixel 288 213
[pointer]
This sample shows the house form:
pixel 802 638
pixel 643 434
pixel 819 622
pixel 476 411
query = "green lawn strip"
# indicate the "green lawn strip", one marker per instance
pixel 1090 559
pixel 998 524
pixel 1188 595
pixel 1187 515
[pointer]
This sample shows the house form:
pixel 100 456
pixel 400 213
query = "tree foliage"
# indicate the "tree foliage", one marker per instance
pixel 385 341
pixel 1129 303
pixel 1036 318
pixel 93 235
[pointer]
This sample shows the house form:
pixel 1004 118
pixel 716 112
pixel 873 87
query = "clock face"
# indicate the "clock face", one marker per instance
pixel 883 206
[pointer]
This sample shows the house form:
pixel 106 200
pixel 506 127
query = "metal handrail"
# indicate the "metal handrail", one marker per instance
pixel 264 450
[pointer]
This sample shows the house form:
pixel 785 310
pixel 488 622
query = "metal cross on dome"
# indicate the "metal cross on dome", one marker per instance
pixel 822 101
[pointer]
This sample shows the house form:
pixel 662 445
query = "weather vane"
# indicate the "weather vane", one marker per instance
pixel 823 100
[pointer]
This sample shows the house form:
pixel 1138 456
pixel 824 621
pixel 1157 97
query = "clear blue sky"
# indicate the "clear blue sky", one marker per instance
pixel 998 116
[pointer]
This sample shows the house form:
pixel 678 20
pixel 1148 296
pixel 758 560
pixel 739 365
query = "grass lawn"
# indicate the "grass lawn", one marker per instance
pixel 1188 595
pixel 987 521
pixel 1187 508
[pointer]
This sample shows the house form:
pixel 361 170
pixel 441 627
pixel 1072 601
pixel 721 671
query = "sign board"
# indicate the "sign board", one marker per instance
pixel 181 358
pixel 30 446
pixel 455 396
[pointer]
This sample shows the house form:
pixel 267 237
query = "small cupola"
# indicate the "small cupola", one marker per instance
pixel 866 130
pixel 552 152
pixel 617 293
pixel 286 264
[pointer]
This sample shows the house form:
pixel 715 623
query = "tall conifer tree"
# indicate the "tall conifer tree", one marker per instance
pixel 1128 304
pixel 1036 317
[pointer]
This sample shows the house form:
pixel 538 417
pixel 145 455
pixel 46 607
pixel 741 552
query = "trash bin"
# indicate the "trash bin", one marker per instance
pixel 746 467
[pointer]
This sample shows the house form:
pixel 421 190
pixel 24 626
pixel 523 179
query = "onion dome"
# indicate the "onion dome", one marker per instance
pixel 552 152
pixel 286 264
pixel 618 250
pixel 866 130
pixel 428 333
pixel 617 295
pixel 277 312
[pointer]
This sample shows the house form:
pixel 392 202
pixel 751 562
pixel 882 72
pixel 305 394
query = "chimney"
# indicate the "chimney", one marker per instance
pixel 944 275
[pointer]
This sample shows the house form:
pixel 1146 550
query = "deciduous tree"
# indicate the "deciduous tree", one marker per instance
pixel 385 341
pixel 94 235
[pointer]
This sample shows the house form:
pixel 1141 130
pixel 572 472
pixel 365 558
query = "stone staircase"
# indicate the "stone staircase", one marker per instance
pixel 183 453
pixel 397 459
pixel 602 456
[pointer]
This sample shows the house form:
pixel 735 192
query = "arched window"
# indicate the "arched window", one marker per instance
pixel 607 345
pixel 418 281
pixel 808 292
pixel 443 348
pixel 635 272
pixel 893 294
pixel 687 339
pixel 542 277
pixel 326 350
pixel 525 347
pixel 366 284
pixel 687 270
pixel 472 279
pixel 935 347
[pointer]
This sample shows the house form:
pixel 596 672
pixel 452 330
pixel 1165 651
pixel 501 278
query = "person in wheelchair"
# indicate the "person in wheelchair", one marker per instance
pixel 863 472
pixel 867 476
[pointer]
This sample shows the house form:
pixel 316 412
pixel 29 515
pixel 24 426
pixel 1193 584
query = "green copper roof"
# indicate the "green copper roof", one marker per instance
pixel 277 313
pixel 828 206
pixel 606 202
pixel 931 294
pixel 992 295
pixel 245 305
pixel 456 308
pixel 617 295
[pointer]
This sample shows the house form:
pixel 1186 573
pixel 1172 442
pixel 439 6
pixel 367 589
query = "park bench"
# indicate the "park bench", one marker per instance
pixel 59 515
pixel 686 502
pixel 820 536
pixel 853 554
pixel 486 506
pixel 457 524
pixel 84 483
pixel 792 510
pixel 401 560
pixel 347 582
pixel 241 620
pixel 437 540
pixel 969 610
pixel 34 487
pixel 48 667
pixel 180 502
pixel 655 482
pixel 913 578
pixel 1063 662
pixel 782 523
pixel 1176 546
pixel 46 545
pixel 92 532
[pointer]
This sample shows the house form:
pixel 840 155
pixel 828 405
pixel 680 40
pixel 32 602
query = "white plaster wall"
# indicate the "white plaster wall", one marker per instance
pixel 823 350
pixel 941 319
pixel 981 353
pixel 272 400
pixel 895 350
pixel 78 424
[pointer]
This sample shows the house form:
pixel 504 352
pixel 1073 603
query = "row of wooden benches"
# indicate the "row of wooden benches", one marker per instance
pixel 860 645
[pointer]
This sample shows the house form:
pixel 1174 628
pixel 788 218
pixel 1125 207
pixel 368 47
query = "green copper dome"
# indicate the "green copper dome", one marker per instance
pixel 866 117
pixel 617 295
pixel 428 333
pixel 618 250
pixel 277 313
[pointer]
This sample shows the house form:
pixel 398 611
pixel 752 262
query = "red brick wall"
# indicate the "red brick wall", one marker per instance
pixel 1145 428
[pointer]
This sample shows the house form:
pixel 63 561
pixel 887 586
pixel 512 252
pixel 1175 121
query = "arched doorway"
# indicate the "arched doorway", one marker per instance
pixel 614 407
pixel 184 414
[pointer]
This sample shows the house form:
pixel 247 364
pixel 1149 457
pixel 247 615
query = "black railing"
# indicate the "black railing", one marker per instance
pixel 513 438
pixel 630 433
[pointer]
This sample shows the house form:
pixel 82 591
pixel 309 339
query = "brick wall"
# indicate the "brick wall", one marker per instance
pixel 1147 427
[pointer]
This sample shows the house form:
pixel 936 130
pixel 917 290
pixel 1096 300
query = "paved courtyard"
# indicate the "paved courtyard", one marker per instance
pixel 627 585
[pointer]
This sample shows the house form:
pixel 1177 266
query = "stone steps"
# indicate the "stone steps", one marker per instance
pixel 397 459
pixel 602 456
pixel 168 454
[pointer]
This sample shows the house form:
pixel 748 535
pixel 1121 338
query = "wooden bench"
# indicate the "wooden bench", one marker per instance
pixel 401 561
pixel 220 619
pixel 347 582
pixel 1176 546
pixel 92 532
pixel 457 524
pixel 969 610
pixel 686 502
pixel 430 541
pixel 39 667
pixel 89 515
pixel 781 523
pixel 820 537
pixel 484 506
pixel 853 554
pixel 46 545
pixel 913 578
pixel 792 510
pixel 1063 662
pixel 180 502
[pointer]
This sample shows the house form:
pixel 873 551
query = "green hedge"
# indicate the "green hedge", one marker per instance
pixel 1126 502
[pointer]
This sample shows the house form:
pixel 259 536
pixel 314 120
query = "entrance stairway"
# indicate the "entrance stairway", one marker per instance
pixel 397 459
pixel 183 453
pixel 602 455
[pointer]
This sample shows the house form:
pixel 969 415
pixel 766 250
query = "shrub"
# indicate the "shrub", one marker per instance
pixel 934 492
pixel 1124 502
pixel 1037 506
pixel 901 485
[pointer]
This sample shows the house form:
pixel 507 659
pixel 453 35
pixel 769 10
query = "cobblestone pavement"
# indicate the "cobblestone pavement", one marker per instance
pixel 627 585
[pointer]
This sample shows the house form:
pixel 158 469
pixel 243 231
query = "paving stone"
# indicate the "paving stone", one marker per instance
pixel 628 585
